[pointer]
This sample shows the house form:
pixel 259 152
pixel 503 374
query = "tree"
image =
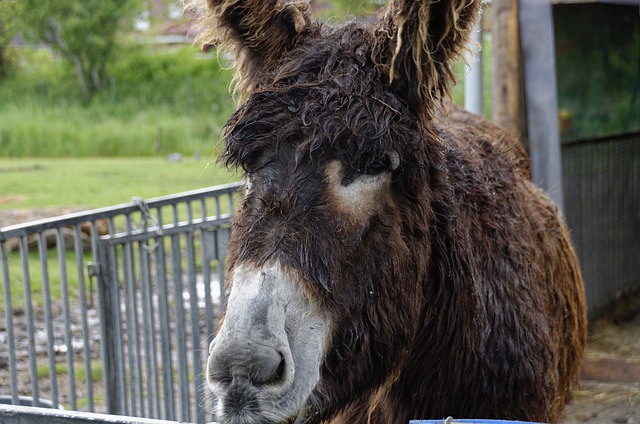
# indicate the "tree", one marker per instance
pixel 6 32
pixel 83 32
pixel 4 45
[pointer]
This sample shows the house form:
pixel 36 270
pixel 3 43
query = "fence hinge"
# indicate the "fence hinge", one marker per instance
pixel 93 269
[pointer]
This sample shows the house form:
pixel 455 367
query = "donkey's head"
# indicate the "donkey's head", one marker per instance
pixel 331 245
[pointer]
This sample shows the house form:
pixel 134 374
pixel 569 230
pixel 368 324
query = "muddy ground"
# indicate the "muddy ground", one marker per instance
pixel 616 335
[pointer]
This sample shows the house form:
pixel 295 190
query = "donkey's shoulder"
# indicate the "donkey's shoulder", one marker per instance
pixel 483 143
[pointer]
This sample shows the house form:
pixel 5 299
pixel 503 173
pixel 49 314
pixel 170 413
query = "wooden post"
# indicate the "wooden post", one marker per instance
pixel 507 69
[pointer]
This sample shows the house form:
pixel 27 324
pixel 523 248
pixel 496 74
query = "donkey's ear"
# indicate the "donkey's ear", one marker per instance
pixel 418 43
pixel 259 32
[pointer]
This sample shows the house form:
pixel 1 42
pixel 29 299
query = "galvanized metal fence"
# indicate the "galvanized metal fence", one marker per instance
pixel 112 310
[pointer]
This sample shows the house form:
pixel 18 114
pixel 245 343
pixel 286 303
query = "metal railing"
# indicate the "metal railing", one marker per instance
pixel 111 310
pixel 15 414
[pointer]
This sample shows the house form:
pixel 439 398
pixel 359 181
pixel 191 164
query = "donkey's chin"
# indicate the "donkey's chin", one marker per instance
pixel 244 403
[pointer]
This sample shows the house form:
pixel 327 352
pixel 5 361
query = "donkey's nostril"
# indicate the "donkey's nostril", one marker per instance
pixel 259 365
pixel 271 373
pixel 268 367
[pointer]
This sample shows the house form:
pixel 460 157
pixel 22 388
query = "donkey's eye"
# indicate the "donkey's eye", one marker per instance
pixel 372 168
pixel 377 166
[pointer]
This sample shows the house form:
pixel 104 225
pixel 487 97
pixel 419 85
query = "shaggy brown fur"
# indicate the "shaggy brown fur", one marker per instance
pixel 460 294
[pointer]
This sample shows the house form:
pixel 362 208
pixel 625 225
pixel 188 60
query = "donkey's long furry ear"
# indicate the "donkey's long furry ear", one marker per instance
pixel 259 32
pixel 418 43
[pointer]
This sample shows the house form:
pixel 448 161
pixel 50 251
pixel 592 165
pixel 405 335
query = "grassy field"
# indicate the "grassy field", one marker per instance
pixel 28 183
pixel 88 183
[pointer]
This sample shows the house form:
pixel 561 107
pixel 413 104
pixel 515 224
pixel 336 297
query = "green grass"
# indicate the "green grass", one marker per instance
pixel 96 371
pixel 30 129
pixel 99 182
pixel 43 370
pixel 82 403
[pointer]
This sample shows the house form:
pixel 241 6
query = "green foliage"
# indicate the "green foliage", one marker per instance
pixel 82 33
pixel 346 9
pixel 180 77
pixel 8 57
pixel 598 69
pixel 159 101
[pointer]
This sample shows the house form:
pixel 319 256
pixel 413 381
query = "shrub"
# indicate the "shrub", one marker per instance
pixel 159 100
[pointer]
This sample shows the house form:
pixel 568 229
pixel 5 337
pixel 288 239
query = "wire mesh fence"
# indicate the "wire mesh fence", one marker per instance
pixel 602 208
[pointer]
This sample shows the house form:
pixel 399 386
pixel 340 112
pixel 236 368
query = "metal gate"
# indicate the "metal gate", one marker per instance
pixel 112 310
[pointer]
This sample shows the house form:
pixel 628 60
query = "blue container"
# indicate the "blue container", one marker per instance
pixel 468 421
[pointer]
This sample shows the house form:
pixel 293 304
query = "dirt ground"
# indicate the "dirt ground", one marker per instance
pixel 598 402
pixel 616 335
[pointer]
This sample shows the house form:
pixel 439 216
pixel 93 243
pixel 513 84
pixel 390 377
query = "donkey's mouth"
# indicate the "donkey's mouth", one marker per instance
pixel 243 403
pixel 262 392
pixel 265 361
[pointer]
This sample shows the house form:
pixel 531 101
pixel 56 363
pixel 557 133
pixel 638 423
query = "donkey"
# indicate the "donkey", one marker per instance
pixel 391 259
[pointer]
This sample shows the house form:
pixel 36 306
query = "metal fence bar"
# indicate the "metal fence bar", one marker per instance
pixel 28 306
pixel 195 317
pixel 8 313
pixel 208 255
pixel 222 238
pixel 122 327
pixel 183 378
pixel 101 270
pixel 165 334
pixel 131 346
pixel 165 328
pixel 148 329
pixel 44 266
pixel 62 263
pixel 117 344
pixel 86 353
pixel 133 339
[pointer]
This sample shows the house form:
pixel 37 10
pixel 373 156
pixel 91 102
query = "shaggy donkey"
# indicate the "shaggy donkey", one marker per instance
pixel 391 259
